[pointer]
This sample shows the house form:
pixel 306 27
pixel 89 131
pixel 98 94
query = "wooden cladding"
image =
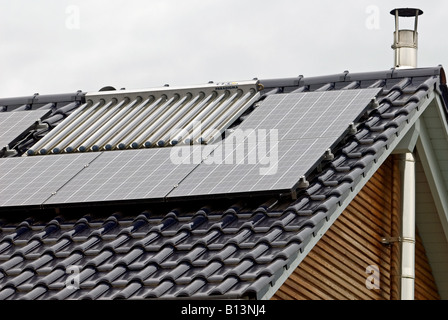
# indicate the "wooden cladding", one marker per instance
pixel 425 286
pixel 350 262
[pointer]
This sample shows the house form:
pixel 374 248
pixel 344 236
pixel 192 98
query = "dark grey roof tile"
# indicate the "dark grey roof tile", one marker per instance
pixel 6 293
pixel 270 236
pixel 15 260
pixel 238 269
pixel 210 269
pixel 97 292
pixel 259 287
pixel 143 260
pixel 128 291
pixel 34 294
pixel 51 277
pixel 236 257
pixel 40 262
pixel 59 284
pixel 97 259
pixel 178 272
pixel 156 292
pixel 188 290
pixel 161 255
pixel 190 256
pixel 21 278
pixel 149 241
pixel 220 254
pixel 224 286
pixel 187 277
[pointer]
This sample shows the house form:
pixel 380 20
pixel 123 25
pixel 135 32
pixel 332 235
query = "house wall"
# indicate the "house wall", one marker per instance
pixel 350 261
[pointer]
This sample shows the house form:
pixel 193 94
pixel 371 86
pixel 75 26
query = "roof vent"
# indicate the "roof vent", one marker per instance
pixel 405 40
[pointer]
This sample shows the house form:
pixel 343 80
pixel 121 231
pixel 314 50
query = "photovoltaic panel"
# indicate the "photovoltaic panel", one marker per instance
pixel 311 114
pixel 130 175
pixel 282 141
pixel 13 124
pixel 276 169
pixel 32 180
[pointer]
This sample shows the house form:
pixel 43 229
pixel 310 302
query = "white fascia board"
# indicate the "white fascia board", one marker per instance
pixel 431 168
pixel 407 144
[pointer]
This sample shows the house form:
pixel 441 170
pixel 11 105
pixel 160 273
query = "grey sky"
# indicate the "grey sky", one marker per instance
pixel 50 46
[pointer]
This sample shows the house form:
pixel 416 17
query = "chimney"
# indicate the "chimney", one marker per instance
pixel 405 41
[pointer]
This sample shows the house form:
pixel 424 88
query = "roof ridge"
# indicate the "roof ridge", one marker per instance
pixel 347 76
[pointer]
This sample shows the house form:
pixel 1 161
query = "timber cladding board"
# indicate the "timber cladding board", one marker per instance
pixel 336 268
pixel 425 287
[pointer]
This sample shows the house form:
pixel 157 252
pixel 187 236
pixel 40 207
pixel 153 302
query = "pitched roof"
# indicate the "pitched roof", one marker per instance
pixel 226 247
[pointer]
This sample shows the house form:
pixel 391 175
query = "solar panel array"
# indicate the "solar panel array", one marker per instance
pixel 13 124
pixel 281 167
pixel 32 180
pixel 287 136
pixel 129 175
pixel 281 141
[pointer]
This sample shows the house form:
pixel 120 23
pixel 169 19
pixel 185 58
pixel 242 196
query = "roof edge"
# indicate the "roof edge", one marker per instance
pixel 42 99
pixel 358 76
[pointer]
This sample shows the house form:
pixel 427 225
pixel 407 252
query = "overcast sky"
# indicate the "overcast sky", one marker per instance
pixel 50 46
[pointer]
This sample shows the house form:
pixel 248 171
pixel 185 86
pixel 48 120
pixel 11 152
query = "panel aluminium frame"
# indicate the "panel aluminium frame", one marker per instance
pixel 13 124
pixel 282 142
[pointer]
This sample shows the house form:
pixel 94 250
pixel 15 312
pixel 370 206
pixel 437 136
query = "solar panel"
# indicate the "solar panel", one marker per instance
pixel 13 124
pixel 32 180
pixel 311 114
pixel 276 169
pixel 131 175
pixel 280 142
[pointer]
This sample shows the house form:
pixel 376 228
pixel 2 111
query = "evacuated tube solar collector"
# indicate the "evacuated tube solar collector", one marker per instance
pixel 46 143
pixel 149 118
pixel 164 115
pixel 148 107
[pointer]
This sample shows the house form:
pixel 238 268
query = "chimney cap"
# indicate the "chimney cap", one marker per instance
pixel 406 12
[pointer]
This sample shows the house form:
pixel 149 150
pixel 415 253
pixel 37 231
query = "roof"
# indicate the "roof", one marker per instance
pixel 213 247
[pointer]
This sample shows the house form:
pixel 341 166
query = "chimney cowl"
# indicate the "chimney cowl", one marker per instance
pixel 405 41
